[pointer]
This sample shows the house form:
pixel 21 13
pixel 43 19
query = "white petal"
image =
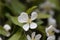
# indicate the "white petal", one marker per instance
pixel 51 12
pixel 7 27
pixel 0 38
pixel 51 21
pixel 49 29
pixel 28 37
pixel 56 30
pixel 34 15
pixel 47 32
pixel 51 37
pixel 33 25
pixel 26 27
pixel 33 35
pixel 37 37
pixel 23 17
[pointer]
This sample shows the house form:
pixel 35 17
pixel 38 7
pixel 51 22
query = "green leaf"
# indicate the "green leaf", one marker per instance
pixel 2 31
pixel 14 20
pixel 16 7
pixel 19 35
pixel 23 37
pixel 31 9
pixel 42 16
pixel 16 36
pixel 42 30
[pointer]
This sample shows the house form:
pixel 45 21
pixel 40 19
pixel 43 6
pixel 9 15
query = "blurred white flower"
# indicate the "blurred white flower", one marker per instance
pixel 23 18
pixel 50 33
pixel 49 30
pixel 34 37
pixel 7 27
pixel 0 38
pixel 47 6
pixel 52 21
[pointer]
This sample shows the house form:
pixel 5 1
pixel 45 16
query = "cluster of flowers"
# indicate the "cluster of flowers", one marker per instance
pixel 7 28
pixel 23 18
pixel 28 22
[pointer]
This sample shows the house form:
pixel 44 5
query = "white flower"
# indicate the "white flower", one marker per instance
pixel 34 37
pixel 0 38
pixel 51 21
pixel 47 6
pixel 7 27
pixel 50 33
pixel 49 30
pixel 23 18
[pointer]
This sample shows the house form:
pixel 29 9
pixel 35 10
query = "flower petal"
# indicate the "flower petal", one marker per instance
pixel 37 37
pixel 23 17
pixel 49 30
pixel 33 25
pixel 56 30
pixel 28 37
pixel 51 12
pixel 33 35
pixel 34 15
pixel 51 21
pixel 1 38
pixel 7 27
pixel 26 27
pixel 51 37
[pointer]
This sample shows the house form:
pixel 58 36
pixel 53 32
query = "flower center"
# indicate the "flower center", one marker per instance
pixel 29 20
pixel 33 38
pixel 51 32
